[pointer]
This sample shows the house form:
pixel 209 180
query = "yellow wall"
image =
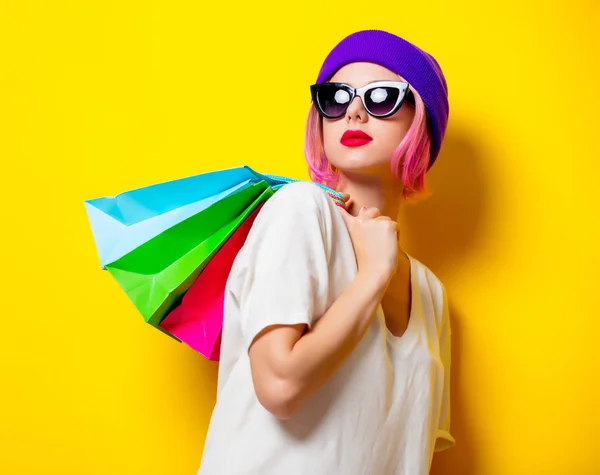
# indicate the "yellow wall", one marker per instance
pixel 95 100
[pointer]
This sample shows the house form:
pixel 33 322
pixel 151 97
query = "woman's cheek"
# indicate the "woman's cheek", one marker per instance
pixel 332 146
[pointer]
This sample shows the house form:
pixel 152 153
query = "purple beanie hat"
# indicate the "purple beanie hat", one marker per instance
pixel 419 68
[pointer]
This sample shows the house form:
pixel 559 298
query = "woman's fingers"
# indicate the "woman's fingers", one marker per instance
pixel 366 212
pixel 369 212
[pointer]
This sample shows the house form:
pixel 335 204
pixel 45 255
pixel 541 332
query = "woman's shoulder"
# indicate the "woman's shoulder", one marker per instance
pixel 301 195
pixel 298 203
pixel 290 224
pixel 294 211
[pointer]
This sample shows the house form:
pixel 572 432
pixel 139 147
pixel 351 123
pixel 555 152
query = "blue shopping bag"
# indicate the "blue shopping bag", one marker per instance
pixel 122 223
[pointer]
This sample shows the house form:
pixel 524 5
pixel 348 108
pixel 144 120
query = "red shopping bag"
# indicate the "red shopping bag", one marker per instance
pixel 198 319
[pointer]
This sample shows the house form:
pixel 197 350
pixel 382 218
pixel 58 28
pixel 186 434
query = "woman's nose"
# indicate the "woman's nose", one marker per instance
pixel 356 109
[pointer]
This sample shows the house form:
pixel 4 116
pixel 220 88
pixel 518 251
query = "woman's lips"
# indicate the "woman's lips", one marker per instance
pixel 355 138
pixel 354 141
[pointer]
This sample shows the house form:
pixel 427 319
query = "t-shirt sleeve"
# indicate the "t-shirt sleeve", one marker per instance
pixel 284 276
pixel 444 439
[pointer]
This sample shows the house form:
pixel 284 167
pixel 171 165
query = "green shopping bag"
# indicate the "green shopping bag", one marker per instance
pixel 156 274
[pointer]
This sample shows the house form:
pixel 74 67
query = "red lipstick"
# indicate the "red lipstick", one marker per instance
pixel 354 138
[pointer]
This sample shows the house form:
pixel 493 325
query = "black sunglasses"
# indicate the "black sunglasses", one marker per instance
pixel 380 99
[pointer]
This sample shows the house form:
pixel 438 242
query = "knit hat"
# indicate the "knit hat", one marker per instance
pixel 419 68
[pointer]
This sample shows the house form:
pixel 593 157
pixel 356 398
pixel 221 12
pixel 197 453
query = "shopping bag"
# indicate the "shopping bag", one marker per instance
pixel 198 320
pixel 155 274
pixel 123 222
pixel 156 241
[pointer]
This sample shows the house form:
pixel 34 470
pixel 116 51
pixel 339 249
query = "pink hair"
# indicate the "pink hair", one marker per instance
pixel 415 147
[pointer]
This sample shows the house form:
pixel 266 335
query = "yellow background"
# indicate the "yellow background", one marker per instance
pixel 102 97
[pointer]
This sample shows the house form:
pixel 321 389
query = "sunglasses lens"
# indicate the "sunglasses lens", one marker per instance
pixel 381 100
pixel 333 100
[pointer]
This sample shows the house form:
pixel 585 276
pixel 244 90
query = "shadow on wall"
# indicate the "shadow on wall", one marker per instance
pixel 443 229
pixel 440 231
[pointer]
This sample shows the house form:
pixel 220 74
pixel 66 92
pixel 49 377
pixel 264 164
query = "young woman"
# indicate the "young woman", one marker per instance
pixel 335 352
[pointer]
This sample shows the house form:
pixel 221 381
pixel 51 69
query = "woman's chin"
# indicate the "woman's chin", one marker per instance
pixel 363 167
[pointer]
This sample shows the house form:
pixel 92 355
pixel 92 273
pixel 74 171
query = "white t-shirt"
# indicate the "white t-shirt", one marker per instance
pixel 384 411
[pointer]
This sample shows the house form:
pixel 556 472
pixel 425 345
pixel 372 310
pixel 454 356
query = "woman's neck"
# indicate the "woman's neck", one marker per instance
pixel 373 191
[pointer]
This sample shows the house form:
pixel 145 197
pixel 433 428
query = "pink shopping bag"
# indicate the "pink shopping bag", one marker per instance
pixel 198 319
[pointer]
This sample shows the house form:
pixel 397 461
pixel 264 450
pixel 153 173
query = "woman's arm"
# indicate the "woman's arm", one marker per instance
pixel 282 279
pixel 289 363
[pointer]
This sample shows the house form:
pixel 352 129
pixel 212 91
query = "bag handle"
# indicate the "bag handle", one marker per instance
pixel 336 196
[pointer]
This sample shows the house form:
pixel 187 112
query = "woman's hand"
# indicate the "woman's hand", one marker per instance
pixel 375 241
pixel 290 362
